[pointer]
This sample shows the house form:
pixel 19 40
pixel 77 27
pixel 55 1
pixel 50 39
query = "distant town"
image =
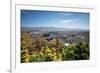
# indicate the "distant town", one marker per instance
pixel 68 36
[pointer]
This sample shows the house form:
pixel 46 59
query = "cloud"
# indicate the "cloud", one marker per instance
pixel 67 14
pixel 69 21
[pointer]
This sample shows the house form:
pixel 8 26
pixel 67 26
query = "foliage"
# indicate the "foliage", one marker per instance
pixel 76 52
pixel 24 56
pixel 46 54
pixel 39 49
pixel 26 41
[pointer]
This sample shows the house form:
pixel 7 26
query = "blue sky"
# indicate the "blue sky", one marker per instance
pixel 73 20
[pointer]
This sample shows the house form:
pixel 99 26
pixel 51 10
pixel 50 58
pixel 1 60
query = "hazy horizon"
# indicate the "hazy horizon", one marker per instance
pixel 56 27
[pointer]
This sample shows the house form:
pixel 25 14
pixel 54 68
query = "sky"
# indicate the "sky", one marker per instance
pixel 36 18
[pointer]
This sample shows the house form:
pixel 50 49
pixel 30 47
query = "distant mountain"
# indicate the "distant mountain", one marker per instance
pixel 48 29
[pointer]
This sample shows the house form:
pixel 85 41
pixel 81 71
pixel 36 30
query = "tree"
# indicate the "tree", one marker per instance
pixel 58 44
pixel 82 51
pixel 26 40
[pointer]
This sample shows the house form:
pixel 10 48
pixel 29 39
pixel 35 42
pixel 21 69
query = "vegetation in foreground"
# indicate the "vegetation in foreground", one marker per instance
pixel 41 50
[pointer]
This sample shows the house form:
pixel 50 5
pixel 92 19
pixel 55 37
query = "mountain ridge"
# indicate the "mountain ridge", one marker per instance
pixel 50 29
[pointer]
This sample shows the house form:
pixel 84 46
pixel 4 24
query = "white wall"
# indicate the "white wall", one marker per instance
pixel 5 36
